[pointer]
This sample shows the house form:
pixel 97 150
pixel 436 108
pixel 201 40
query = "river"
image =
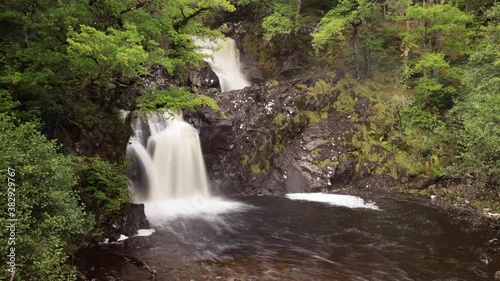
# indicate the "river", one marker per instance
pixel 281 239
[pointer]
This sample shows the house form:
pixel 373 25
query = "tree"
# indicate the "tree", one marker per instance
pixel 49 219
pixel 477 112
pixel 345 22
pixel 435 38
pixel 61 53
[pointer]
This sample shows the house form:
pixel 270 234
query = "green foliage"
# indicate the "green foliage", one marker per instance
pixel 321 87
pixel 102 187
pixel 439 27
pixel 348 21
pixel 328 163
pixel 6 102
pixel 335 25
pixel 96 55
pixel 95 52
pixel 477 112
pixel 49 218
pixel 174 99
pixel 438 36
pixel 282 21
pixel 345 103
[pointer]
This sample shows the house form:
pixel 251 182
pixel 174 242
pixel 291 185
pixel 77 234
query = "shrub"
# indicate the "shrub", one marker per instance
pixel 49 218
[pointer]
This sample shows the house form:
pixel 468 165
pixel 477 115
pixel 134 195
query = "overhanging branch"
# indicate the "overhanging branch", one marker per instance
pixel 185 20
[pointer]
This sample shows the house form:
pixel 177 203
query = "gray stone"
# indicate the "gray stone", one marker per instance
pixel 311 168
pixel 295 181
pixel 204 77
pixel 133 219
pixel 138 242
pixel 315 144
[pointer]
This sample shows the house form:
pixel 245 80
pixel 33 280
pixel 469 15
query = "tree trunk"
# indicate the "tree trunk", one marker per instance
pixel 437 48
pixel 468 6
pixel 368 64
pixel 406 51
pixel 355 39
pixel 426 27
pixel 299 7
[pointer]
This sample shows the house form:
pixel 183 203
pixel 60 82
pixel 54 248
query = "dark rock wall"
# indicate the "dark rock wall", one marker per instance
pixel 263 142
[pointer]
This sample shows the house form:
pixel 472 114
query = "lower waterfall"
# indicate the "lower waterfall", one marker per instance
pixel 170 177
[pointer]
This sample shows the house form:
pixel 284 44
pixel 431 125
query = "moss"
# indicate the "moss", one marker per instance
pixel 313 116
pixel 300 86
pixel 321 87
pixel 255 169
pixel 279 120
pixel 417 191
pixel 245 160
pixel 328 163
pixel 345 103
pixel 316 151
pixel 278 148
pixel 272 84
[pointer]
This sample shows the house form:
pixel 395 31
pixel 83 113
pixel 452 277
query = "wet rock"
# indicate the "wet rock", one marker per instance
pixel 484 258
pixel 315 144
pixel 436 190
pixel 204 77
pixel 405 179
pixel 250 67
pixel 291 63
pixel 138 242
pixel 263 143
pixel 344 172
pixel 133 219
pixel 295 182
pixel 419 183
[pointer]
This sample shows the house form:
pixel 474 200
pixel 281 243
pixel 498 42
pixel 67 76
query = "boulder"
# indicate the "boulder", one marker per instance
pixel 138 242
pixel 204 78
pixel 133 219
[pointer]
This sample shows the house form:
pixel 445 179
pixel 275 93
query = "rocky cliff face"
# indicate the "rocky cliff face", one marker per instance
pixel 275 138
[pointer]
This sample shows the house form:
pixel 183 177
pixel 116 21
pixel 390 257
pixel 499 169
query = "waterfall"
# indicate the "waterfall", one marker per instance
pixel 167 152
pixel 224 60
pixel 179 170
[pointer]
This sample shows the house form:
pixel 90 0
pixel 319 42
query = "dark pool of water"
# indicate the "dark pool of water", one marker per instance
pixel 281 239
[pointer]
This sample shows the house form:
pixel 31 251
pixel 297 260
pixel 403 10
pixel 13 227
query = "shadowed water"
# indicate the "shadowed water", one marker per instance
pixel 282 239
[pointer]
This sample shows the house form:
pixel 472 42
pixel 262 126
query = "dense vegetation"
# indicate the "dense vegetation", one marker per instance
pixel 67 67
pixel 430 69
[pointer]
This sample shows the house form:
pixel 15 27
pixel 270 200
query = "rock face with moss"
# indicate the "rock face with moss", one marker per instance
pixel 293 136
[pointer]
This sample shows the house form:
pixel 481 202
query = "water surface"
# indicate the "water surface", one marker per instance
pixel 283 239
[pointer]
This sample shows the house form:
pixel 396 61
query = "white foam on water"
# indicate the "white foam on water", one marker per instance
pixel 208 208
pixel 145 232
pixel 348 201
pixel 122 237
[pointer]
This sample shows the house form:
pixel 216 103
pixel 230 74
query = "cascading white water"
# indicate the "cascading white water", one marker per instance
pixel 179 170
pixel 225 62
pixel 169 151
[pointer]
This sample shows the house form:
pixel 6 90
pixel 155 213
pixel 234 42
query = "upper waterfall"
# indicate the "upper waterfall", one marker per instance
pixel 224 60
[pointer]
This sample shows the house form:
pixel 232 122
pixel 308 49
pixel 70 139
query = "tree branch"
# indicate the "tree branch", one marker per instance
pixel 185 20
pixel 108 18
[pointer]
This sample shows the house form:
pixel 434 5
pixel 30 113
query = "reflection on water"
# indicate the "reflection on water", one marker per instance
pixel 282 239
